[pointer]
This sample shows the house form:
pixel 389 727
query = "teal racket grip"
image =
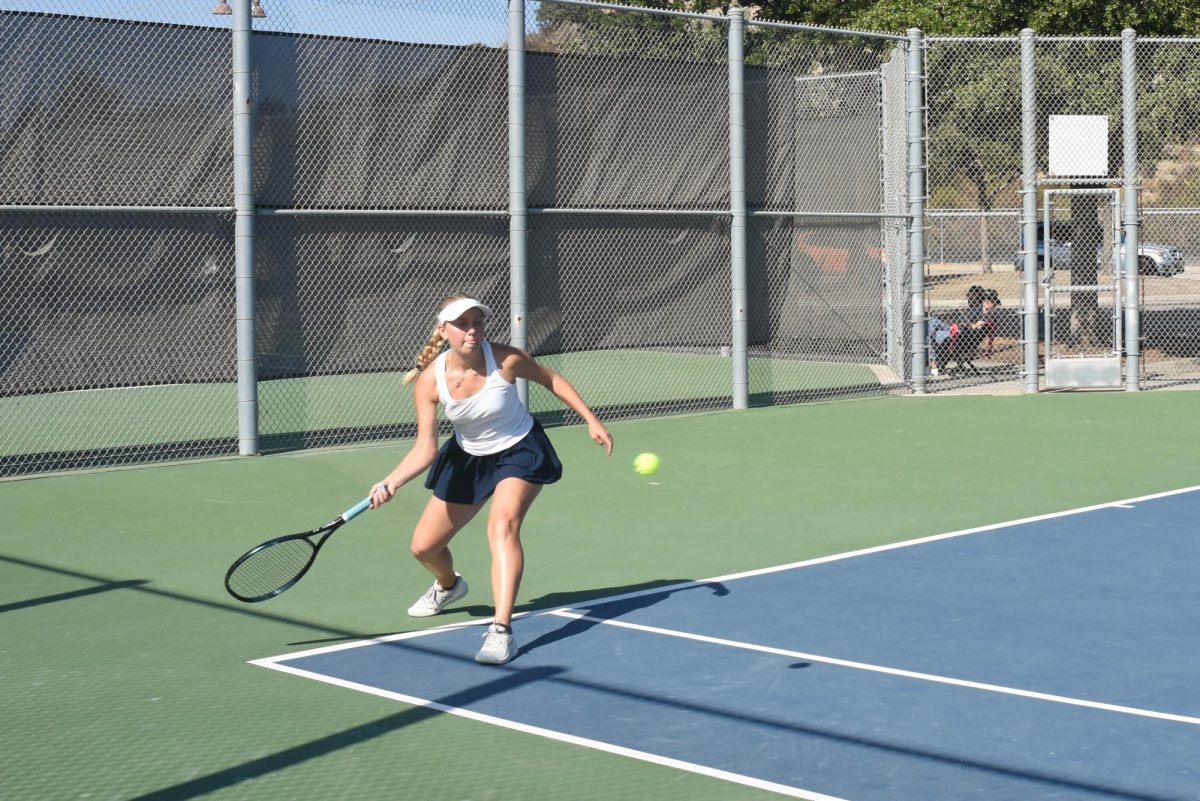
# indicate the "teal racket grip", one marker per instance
pixel 357 509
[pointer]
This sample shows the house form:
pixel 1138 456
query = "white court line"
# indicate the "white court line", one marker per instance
pixel 667 588
pixel 407 635
pixel 762 571
pixel 908 543
pixel 908 674
pixel 275 663
pixel 598 745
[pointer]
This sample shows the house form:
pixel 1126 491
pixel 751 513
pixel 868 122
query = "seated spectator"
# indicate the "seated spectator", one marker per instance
pixel 937 334
pixel 959 341
pixel 980 305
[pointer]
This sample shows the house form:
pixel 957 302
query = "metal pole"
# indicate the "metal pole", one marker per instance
pixel 243 229
pixel 518 212
pixel 1133 344
pixel 737 210
pixel 1029 213
pixel 915 101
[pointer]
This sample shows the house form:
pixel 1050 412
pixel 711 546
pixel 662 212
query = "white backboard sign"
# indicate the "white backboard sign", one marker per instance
pixel 1079 144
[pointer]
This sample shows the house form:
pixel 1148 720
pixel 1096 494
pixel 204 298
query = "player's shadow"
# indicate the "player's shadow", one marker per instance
pixel 641 595
pixel 593 614
pixel 573 598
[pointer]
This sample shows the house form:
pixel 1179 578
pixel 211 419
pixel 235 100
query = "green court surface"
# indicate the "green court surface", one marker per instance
pixel 124 664
pixel 135 415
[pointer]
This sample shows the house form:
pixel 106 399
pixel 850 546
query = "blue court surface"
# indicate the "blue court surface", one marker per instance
pixel 1053 657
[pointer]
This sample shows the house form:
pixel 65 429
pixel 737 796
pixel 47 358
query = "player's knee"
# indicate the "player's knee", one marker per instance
pixel 504 527
pixel 424 552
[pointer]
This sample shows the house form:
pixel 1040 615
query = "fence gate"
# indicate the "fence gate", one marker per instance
pixel 1080 246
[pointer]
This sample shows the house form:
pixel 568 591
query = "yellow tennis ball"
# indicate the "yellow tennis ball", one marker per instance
pixel 646 464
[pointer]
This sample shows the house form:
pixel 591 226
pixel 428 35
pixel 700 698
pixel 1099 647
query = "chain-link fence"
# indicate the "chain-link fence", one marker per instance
pixel 1169 250
pixel 975 194
pixel 974 235
pixel 380 182
pixel 831 174
pixel 629 280
pixel 116 310
pixel 709 211
pixel 382 155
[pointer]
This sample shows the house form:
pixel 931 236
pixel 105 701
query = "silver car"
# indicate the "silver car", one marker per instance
pixel 1156 259
pixel 1153 258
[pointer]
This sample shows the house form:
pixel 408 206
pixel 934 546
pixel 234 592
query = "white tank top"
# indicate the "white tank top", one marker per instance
pixel 490 420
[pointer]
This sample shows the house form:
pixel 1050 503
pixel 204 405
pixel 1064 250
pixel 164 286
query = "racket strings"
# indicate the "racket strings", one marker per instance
pixel 265 572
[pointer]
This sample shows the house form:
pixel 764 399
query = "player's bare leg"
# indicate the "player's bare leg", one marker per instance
pixel 431 546
pixel 510 503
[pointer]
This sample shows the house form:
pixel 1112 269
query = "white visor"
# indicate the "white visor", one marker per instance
pixel 459 307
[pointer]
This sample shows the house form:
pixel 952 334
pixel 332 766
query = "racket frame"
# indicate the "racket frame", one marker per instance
pixel 324 532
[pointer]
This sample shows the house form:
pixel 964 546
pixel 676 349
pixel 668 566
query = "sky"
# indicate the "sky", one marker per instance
pixel 454 22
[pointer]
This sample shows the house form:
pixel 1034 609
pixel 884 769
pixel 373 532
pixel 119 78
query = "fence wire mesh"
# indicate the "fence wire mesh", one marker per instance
pixel 118 342
pixel 380 109
pixel 822 175
pixel 974 236
pixel 381 159
pixel 633 310
pixel 974 183
pixel 1169 244
pixel 1169 269
pixel 381 105
pixel 93 114
pixel 625 110
pixel 628 111
pixel 1082 293
pixel 344 305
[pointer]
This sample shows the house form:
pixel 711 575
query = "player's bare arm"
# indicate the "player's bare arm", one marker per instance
pixel 424 449
pixel 517 363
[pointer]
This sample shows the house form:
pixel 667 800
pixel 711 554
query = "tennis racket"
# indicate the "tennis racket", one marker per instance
pixel 268 569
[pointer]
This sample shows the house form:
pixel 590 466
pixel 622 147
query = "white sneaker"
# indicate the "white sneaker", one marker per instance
pixel 436 598
pixel 499 646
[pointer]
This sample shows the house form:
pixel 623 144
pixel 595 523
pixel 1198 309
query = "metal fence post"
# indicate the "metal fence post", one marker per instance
pixel 1029 212
pixel 1132 310
pixel 243 228
pixel 915 85
pixel 518 211
pixel 737 210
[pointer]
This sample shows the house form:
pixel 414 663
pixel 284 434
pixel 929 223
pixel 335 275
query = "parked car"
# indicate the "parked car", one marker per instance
pixel 1153 258
pixel 1060 251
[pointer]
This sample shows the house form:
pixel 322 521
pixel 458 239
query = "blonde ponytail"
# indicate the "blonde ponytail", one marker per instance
pixel 433 346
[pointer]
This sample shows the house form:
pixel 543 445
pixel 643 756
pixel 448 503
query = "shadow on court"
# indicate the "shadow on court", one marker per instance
pixel 553 600
pixel 517 677
pixel 510 678
pixel 349 738
pixel 615 609
pixel 71 595
pixel 107 584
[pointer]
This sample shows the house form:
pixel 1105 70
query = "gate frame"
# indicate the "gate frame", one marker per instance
pixel 1131 198
pixel 1093 372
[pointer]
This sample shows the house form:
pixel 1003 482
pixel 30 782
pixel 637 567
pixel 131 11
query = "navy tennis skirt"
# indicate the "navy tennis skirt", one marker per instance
pixel 458 477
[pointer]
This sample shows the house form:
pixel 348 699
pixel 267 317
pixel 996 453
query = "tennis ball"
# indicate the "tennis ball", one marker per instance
pixel 646 463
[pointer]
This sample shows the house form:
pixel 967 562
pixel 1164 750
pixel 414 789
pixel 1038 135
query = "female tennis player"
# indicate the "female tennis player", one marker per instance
pixel 498 450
